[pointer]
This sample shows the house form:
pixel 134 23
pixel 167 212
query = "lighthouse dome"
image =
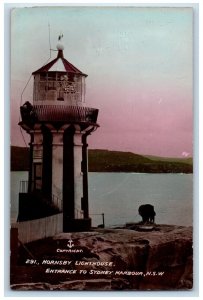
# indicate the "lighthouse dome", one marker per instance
pixel 59 46
pixel 59 82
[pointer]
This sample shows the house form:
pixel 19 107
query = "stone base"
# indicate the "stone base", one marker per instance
pixel 77 225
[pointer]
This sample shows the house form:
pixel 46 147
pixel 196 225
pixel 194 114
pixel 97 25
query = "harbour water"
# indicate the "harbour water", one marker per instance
pixel 119 195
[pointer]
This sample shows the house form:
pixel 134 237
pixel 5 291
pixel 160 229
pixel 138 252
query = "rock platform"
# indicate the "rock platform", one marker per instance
pixel 108 259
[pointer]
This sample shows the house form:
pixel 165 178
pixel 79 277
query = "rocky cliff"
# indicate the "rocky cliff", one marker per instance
pixel 108 259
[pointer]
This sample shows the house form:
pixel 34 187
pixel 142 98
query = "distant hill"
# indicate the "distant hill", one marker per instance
pixel 188 160
pixel 114 161
pixel 117 161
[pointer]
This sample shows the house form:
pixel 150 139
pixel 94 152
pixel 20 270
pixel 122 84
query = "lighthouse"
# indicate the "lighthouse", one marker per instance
pixel 58 122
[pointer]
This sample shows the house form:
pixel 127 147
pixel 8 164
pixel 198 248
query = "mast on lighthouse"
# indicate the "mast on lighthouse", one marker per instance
pixel 58 123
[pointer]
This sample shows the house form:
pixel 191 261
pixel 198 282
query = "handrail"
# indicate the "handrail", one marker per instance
pixel 103 222
pixel 23 186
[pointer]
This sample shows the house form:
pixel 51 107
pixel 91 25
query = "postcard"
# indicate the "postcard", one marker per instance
pixel 101 148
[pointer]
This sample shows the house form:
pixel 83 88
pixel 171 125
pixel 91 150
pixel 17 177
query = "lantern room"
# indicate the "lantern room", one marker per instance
pixel 59 83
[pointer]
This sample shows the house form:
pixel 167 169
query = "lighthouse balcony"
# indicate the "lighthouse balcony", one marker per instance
pixel 58 113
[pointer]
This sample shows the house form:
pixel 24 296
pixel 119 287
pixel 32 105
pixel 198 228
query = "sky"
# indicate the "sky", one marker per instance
pixel 139 63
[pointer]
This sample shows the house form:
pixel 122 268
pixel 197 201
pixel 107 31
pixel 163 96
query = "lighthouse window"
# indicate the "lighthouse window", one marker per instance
pixel 43 77
pixel 51 94
pixel 60 96
pixel 42 85
pixel 42 90
pixel 38 170
pixel 60 87
pixel 37 176
pixel 51 85
pixel 51 76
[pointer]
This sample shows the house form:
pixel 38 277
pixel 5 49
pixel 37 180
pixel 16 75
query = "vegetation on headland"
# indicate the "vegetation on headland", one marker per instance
pixel 114 161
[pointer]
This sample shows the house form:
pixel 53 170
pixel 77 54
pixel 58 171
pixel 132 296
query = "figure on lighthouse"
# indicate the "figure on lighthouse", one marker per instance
pixel 58 123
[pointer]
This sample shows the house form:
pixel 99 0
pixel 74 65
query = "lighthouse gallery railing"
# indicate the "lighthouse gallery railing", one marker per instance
pixel 23 189
pixel 58 113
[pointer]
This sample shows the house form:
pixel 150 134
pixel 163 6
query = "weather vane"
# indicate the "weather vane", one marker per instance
pixel 60 37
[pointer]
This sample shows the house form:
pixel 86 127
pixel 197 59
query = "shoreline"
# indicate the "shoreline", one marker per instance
pixel 125 172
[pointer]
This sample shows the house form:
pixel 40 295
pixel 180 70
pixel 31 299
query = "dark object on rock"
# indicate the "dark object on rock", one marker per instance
pixel 100 226
pixel 147 213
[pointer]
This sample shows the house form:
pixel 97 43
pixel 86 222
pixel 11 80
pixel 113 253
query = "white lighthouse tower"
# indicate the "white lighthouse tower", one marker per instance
pixel 58 123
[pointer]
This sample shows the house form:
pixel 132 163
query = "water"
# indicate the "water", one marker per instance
pixel 118 196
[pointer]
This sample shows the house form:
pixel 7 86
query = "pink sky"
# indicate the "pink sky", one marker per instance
pixel 139 66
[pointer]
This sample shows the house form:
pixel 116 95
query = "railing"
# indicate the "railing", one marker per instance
pixel 24 189
pixel 23 186
pixel 65 113
pixel 103 222
pixel 57 113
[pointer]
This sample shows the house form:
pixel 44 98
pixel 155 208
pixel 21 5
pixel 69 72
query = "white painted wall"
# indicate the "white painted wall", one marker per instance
pixel 78 176
pixel 33 230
